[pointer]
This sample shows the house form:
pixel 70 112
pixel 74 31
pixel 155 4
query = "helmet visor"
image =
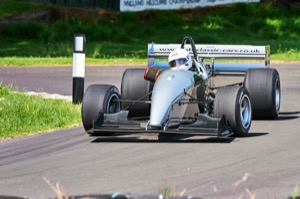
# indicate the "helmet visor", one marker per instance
pixel 178 62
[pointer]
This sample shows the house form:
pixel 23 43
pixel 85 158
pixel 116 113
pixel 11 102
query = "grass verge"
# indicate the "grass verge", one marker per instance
pixel 68 61
pixel 22 115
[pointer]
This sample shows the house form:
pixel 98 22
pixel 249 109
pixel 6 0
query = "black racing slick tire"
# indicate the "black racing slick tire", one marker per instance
pixel 201 97
pixel 263 86
pixel 234 103
pixel 134 87
pixel 98 99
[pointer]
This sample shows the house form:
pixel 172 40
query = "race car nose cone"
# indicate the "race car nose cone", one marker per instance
pixel 168 88
pixel 170 77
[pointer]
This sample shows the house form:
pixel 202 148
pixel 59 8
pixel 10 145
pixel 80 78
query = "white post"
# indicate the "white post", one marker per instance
pixel 78 68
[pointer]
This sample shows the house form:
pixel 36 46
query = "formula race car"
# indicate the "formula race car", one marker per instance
pixel 178 96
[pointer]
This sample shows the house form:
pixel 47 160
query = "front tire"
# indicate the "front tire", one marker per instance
pixel 264 90
pixel 234 103
pixel 98 99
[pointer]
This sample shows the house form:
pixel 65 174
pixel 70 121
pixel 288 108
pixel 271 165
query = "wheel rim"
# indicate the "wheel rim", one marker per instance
pixel 245 111
pixel 113 104
pixel 277 95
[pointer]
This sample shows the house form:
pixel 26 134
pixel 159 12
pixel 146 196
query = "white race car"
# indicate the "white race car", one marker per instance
pixel 167 97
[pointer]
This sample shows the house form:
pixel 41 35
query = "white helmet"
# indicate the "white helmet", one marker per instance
pixel 180 59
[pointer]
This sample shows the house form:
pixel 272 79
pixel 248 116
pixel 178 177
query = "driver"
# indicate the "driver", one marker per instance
pixel 180 59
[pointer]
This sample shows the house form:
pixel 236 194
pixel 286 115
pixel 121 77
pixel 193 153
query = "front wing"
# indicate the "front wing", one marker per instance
pixel 201 125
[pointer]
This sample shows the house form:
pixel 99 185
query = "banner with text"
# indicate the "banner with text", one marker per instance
pixel 139 5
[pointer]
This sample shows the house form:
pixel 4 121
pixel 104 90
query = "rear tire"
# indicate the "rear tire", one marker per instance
pixel 98 99
pixel 135 87
pixel 234 103
pixel 263 86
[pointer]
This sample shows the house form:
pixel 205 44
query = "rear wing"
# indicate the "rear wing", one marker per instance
pixel 258 56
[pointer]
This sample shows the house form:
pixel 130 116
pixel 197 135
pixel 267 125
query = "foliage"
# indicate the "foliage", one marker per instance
pixel 125 35
pixel 8 8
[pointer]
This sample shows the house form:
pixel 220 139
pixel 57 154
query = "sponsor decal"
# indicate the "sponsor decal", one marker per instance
pixel 134 3
pixel 216 50
pixel 184 1
pixel 156 2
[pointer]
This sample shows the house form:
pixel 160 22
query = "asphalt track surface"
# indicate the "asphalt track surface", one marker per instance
pixel 266 162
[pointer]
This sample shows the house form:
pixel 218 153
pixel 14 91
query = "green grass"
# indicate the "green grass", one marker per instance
pixel 22 115
pixel 121 36
pixel 67 61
